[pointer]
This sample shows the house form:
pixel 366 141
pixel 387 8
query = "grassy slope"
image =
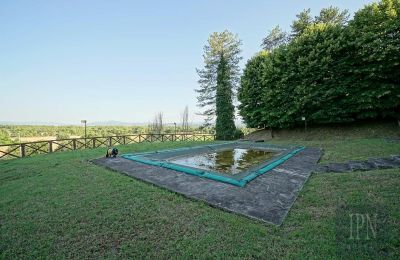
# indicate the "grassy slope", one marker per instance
pixel 385 129
pixel 341 143
pixel 350 149
pixel 60 205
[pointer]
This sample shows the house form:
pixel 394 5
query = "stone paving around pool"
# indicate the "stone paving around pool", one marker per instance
pixel 366 165
pixel 269 197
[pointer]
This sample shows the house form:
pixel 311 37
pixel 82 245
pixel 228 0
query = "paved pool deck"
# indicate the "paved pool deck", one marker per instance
pixel 268 198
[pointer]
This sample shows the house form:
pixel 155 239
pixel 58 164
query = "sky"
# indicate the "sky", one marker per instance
pixel 63 61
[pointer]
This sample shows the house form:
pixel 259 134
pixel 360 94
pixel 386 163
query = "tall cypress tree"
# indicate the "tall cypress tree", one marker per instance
pixel 225 111
pixel 221 71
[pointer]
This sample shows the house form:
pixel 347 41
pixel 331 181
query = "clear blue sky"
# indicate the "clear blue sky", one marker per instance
pixel 63 61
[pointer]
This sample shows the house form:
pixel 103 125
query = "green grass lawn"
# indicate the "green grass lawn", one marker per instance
pixel 62 206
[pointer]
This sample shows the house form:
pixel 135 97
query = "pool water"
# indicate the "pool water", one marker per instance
pixel 236 163
pixel 227 161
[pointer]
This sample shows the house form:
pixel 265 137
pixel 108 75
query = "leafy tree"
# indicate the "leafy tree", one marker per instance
pixel 4 137
pixel 375 31
pixel 303 20
pixel 225 111
pixel 60 136
pixel 250 91
pixel 321 93
pixel 226 45
pixel 331 72
pixel 275 38
pixel 332 15
pixel 278 98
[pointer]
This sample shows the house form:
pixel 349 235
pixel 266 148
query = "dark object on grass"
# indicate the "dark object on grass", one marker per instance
pixel 112 152
pixel 367 165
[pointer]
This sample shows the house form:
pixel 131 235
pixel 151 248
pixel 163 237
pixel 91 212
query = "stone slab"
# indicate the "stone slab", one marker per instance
pixel 370 164
pixel 383 163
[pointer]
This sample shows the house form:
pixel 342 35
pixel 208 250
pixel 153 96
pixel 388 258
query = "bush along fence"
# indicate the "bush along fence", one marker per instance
pixel 27 149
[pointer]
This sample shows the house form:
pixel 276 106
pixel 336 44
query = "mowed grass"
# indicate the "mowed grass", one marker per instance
pixel 62 206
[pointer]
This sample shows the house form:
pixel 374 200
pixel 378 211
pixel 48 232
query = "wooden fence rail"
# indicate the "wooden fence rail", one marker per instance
pixel 42 147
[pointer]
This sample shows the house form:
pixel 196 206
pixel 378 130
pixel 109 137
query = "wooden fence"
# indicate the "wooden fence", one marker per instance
pixel 43 147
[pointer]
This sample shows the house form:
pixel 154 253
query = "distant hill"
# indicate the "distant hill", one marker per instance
pixel 114 123
pixel 33 123
pixel 96 123
pixel 238 123
pixel 99 123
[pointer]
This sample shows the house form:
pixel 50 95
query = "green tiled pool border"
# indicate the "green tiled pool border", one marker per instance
pixel 141 157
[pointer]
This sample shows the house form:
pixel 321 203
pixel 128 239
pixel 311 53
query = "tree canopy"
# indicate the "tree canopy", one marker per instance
pixel 332 70
pixel 303 20
pixel 275 38
pixel 332 15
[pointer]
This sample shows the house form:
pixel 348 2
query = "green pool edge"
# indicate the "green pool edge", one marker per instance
pixel 209 174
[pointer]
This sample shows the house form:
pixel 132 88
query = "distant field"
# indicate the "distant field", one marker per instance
pixel 20 133
pixel 36 138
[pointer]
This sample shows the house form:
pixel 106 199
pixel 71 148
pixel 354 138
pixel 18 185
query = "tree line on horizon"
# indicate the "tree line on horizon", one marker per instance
pixel 328 69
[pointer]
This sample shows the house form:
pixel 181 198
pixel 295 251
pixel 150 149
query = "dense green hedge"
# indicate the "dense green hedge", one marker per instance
pixel 330 73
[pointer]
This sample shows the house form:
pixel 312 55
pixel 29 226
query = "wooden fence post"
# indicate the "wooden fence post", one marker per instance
pixel 94 142
pixel 124 140
pixel 74 144
pixel 50 146
pixel 110 141
pixel 22 147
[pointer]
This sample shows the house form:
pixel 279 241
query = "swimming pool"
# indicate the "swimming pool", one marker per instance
pixel 236 163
